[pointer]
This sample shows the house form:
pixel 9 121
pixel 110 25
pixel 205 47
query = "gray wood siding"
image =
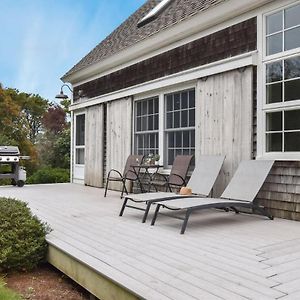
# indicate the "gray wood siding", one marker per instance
pixel 224 118
pixel 119 136
pixel 280 193
pixel 94 146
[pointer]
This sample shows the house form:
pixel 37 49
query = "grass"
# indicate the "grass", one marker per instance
pixel 7 294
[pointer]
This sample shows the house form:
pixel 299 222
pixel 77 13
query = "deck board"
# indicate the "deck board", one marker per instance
pixel 221 255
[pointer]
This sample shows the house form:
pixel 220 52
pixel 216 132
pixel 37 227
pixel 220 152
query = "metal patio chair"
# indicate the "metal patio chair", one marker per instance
pixel 177 177
pixel 129 173
pixel 240 192
pixel 201 182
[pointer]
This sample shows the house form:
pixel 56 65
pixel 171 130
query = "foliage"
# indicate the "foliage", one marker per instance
pixel 22 236
pixel 54 120
pixel 50 175
pixel 7 294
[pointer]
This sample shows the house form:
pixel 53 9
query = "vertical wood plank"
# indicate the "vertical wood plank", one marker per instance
pixel 94 146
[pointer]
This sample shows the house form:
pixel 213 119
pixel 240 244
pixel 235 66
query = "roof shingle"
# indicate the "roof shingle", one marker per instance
pixel 128 33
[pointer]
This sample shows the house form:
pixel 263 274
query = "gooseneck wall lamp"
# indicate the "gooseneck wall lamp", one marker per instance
pixel 61 95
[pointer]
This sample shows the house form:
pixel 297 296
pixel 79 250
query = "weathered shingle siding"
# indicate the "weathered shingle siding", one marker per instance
pixel 128 33
pixel 280 193
pixel 231 41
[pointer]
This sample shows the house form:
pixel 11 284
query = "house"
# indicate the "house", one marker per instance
pixel 195 76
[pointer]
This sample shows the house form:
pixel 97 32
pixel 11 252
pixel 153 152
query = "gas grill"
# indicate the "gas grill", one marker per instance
pixel 10 157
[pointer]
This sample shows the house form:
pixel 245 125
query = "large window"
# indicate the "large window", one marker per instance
pixel 282 81
pixel 179 124
pixel 79 139
pixel 165 125
pixel 146 126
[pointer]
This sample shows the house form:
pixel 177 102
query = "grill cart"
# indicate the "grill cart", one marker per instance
pixel 10 156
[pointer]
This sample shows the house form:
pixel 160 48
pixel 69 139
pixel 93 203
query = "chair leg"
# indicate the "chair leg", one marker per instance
pixel 123 207
pixel 235 210
pixel 186 219
pixel 155 214
pixel 263 211
pixel 146 212
pixel 106 187
pixel 124 188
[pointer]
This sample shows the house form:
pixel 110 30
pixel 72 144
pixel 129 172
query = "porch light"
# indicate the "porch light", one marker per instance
pixel 61 95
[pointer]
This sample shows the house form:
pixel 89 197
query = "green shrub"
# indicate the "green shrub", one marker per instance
pixel 7 294
pixel 49 175
pixel 22 237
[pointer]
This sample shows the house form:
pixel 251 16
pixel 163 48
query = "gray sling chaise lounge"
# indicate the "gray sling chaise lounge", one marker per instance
pixel 201 182
pixel 240 192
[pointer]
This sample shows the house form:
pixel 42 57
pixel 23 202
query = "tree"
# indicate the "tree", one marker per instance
pixel 54 120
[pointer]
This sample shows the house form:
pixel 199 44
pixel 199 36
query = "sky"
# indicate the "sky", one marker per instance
pixel 42 39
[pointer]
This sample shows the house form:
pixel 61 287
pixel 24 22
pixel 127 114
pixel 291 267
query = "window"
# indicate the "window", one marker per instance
pixel 283 30
pixel 79 139
pixel 146 126
pixel 282 81
pixel 179 124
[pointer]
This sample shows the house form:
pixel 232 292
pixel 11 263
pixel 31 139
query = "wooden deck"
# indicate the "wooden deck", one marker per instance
pixel 221 255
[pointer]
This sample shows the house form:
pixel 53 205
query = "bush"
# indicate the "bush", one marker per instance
pixel 22 236
pixel 50 175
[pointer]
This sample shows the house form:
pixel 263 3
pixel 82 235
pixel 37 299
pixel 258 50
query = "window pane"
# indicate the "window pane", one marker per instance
pixel 80 156
pixel 184 118
pixel 292 90
pixel 171 156
pixel 178 139
pixel 152 140
pixel 144 123
pixel 292 39
pixel 169 120
pixel 177 119
pixel 274 71
pixel 171 143
pixel 274 121
pixel 192 98
pixel 292 119
pixel 184 100
pixel 192 117
pixel 150 123
pixel 292 67
pixel 274 142
pixel 138 124
pixel 139 108
pixel 176 101
pixel 150 106
pixel 146 141
pixel 192 134
pixel 169 103
pixel 156 105
pixel 292 141
pixel 274 44
pixel 80 130
pixel 274 93
pixel 292 16
pixel 144 107
pixel 186 139
pixel 274 22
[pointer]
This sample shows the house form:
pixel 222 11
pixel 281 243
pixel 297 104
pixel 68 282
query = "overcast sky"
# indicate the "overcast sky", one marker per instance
pixel 43 39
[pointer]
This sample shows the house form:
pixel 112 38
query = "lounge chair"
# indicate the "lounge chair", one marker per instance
pixel 177 177
pixel 201 182
pixel 240 192
pixel 128 174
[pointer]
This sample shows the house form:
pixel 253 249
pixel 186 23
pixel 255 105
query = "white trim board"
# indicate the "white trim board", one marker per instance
pixel 221 66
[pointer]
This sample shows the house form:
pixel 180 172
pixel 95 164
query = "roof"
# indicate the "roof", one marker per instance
pixel 128 33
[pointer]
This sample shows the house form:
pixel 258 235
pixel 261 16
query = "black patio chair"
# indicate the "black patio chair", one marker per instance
pixel 129 173
pixel 177 177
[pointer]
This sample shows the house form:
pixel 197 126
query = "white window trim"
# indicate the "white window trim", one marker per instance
pixel 161 116
pixel 262 107
pixel 75 147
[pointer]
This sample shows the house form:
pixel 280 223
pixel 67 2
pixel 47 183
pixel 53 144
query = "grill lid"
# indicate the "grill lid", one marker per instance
pixel 9 150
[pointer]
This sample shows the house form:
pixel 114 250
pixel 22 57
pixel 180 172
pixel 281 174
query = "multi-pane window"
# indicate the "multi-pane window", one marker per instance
pixel 79 139
pixel 179 124
pixel 146 126
pixel 282 81
pixel 283 30
pixel 283 131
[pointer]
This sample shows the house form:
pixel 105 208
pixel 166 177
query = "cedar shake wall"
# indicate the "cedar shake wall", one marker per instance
pixel 280 193
pixel 234 40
